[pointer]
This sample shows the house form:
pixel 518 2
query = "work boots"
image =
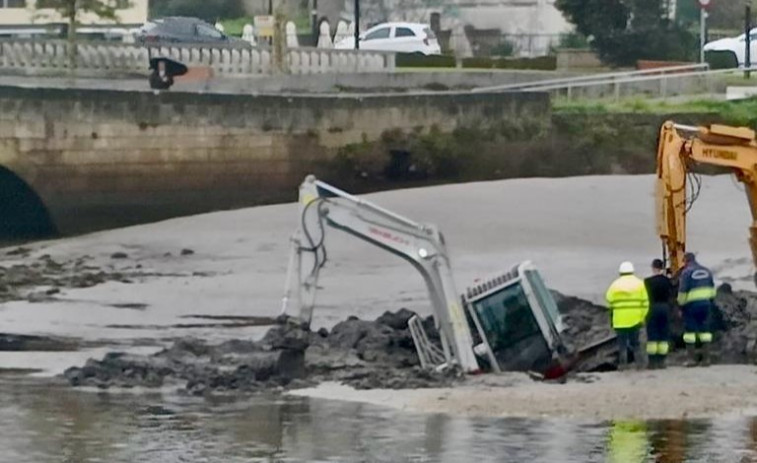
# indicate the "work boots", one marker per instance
pixel 706 354
pixel 691 355
pixel 623 360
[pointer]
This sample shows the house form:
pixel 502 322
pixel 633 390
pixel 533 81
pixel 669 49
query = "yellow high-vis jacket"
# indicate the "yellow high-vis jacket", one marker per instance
pixel 628 301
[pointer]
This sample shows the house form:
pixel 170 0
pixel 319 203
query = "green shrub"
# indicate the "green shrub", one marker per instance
pixel 544 63
pixel 415 60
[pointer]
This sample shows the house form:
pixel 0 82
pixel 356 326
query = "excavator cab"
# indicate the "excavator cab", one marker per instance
pixel 516 322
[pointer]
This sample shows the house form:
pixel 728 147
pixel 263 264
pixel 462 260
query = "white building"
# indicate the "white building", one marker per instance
pixel 31 16
pixel 533 24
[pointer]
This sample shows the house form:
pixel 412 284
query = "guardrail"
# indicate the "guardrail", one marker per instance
pixel 588 79
pixel 238 60
pixel 660 82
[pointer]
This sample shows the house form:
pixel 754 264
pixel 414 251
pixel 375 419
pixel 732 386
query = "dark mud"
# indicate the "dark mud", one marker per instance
pixel 41 279
pixel 363 354
pixel 376 354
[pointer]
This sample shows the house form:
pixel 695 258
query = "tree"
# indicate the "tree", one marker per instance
pixel 208 10
pixel 624 31
pixel 728 14
pixel 71 11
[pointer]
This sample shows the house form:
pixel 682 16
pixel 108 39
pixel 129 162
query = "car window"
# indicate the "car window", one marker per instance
pixel 404 32
pixel 148 26
pixel 206 31
pixel 382 33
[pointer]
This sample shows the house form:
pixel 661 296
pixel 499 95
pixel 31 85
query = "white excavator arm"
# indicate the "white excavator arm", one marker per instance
pixel 422 245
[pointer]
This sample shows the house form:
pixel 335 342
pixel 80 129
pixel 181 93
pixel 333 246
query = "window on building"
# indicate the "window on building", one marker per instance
pixel 12 3
pixel 45 4
pixel 382 33
pixel 122 4
pixel 404 32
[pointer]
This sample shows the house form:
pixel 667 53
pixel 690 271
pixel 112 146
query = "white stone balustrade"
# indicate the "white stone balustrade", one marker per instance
pixel 51 56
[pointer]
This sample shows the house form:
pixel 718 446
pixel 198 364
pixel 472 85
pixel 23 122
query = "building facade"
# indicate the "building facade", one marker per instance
pixel 31 14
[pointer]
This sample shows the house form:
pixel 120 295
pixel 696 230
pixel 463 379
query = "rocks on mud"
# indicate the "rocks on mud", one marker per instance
pixel 364 354
pixel 119 255
pixel 187 252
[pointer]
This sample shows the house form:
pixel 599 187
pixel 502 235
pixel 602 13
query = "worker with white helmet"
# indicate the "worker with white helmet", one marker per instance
pixel 629 304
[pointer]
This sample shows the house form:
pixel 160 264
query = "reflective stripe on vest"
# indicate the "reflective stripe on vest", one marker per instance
pixel 696 295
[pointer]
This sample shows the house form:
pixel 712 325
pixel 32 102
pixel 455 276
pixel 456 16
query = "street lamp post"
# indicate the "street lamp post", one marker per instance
pixel 748 40
pixel 703 4
pixel 357 24
pixel 314 21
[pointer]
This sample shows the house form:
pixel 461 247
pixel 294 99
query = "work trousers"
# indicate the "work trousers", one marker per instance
pixel 628 342
pixel 696 322
pixel 658 329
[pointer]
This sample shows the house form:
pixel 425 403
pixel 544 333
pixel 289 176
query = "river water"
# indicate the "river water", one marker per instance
pixel 46 422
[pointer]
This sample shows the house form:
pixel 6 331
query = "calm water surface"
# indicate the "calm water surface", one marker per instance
pixel 42 422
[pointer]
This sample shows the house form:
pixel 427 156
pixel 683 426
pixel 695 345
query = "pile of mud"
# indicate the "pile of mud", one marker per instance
pixel 362 354
pixel 733 322
pixel 376 354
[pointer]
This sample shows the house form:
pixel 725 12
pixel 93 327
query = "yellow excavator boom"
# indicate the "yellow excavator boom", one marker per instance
pixel 679 149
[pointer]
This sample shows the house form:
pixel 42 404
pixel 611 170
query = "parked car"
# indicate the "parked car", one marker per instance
pixel 183 30
pixel 737 45
pixel 398 37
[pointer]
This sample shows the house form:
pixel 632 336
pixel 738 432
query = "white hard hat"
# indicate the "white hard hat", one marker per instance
pixel 625 268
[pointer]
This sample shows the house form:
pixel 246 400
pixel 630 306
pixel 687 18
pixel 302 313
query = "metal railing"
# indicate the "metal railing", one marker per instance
pixel 660 82
pixel 589 79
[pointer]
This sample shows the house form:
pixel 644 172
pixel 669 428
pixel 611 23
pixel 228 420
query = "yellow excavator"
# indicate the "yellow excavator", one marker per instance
pixel 680 148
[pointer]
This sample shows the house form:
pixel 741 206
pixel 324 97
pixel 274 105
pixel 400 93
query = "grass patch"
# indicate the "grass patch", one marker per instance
pixel 233 27
pixel 741 112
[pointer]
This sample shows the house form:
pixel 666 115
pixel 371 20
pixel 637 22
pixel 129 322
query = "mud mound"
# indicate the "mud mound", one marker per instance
pixel 735 326
pixel 360 353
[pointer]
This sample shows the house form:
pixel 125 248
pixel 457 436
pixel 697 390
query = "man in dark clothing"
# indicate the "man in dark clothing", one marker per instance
pixel 661 294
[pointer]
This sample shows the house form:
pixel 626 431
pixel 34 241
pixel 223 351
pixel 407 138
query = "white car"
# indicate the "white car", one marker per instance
pixel 396 37
pixel 737 45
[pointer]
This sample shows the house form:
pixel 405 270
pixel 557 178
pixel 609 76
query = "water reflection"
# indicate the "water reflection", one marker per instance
pixel 44 423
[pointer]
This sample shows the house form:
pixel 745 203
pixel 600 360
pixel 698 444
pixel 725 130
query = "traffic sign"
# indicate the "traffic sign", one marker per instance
pixel 704 3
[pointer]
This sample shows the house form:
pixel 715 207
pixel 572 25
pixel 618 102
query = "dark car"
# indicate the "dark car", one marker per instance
pixel 182 30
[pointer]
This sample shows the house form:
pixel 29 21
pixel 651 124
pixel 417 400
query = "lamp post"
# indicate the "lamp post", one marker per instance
pixel 703 4
pixel 357 24
pixel 748 40
pixel 314 21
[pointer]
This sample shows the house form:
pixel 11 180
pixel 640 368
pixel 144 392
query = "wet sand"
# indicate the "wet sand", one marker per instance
pixel 675 393
pixel 576 230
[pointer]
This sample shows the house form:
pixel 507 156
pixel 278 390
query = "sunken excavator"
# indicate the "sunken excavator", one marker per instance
pixel 680 148
pixel 505 323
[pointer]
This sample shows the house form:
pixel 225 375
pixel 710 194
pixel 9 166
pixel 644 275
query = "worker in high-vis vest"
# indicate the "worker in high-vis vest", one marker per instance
pixel 629 304
pixel 696 294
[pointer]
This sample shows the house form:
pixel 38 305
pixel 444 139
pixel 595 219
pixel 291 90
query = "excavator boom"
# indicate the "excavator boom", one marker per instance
pixel 680 148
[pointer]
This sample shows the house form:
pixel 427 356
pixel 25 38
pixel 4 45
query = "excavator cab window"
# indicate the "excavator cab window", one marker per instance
pixel 506 317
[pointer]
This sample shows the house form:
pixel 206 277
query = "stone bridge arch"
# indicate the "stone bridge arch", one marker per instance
pixel 23 214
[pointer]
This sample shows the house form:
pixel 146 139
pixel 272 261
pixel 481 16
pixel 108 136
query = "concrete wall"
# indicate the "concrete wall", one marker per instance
pixel 102 158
